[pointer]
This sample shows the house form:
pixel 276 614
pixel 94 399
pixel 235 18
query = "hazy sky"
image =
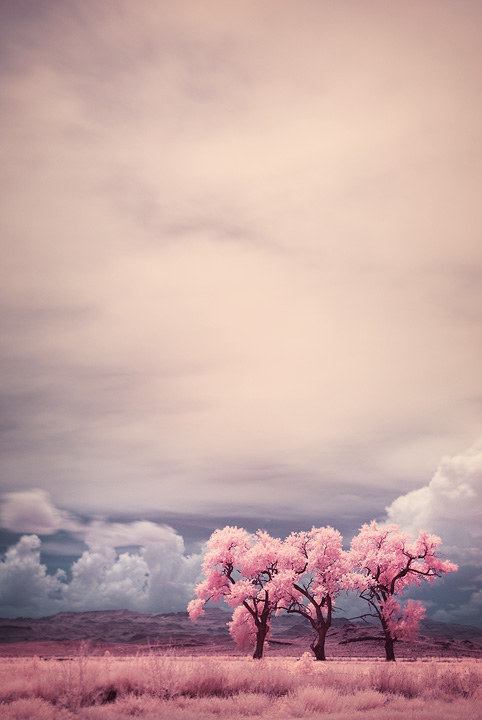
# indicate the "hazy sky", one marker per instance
pixel 240 283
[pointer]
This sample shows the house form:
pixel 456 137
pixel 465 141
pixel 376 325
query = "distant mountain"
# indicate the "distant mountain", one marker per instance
pixel 116 626
pixel 126 632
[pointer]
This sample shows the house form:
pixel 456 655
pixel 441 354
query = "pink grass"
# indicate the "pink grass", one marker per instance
pixel 157 686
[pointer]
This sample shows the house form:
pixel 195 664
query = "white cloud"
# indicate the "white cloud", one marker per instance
pixel 451 506
pixel 32 511
pixel 101 534
pixel 104 580
pixel 24 582
pixel 155 576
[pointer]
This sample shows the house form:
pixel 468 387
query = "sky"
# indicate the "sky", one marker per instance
pixel 240 284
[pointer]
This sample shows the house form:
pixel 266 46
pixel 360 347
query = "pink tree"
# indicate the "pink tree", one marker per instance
pixel 243 570
pixel 318 564
pixel 385 562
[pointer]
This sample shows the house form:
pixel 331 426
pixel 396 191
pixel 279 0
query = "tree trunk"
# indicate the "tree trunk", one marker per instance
pixel 261 633
pixel 318 644
pixel 389 651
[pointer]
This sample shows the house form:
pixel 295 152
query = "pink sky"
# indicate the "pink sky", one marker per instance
pixel 241 267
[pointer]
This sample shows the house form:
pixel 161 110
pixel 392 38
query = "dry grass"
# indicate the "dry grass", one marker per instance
pixel 198 688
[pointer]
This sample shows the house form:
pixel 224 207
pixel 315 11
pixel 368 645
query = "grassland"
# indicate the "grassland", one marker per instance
pixel 201 687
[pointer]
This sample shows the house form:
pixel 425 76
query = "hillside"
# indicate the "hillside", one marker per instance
pixel 124 632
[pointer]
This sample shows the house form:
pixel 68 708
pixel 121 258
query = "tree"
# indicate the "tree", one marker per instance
pixel 385 562
pixel 318 563
pixel 243 569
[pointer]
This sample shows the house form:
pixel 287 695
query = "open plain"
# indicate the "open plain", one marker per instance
pixel 201 687
pixel 119 664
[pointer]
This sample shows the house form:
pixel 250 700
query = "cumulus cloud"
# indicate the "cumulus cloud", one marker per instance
pixel 103 579
pixel 24 582
pixel 138 565
pixel 156 577
pixel 142 532
pixel 451 507
pixel 32 511
pixel 153 579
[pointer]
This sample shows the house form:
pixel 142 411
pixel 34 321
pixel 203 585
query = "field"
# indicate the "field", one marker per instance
pixel 163 685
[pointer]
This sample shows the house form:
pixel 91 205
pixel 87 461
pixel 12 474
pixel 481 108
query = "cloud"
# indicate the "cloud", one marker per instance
pixel 242 243
pixel 451 506
pixel 103 579
pixel 152 580
pixel 153 575
pixel 142 532
pixel 156 577
pixel 32 511
pixel 24 582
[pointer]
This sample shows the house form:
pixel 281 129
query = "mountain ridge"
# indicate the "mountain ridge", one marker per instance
pixel 125 631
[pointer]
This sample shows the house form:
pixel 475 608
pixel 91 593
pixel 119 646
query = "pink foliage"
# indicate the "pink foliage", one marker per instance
pixel 386 561
pixel 258 575
pixel 225 548
pixel 242 628
pixel 243 570
pixel 196 608
pixel 408 625
pixel 318 564
pixel 263 554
